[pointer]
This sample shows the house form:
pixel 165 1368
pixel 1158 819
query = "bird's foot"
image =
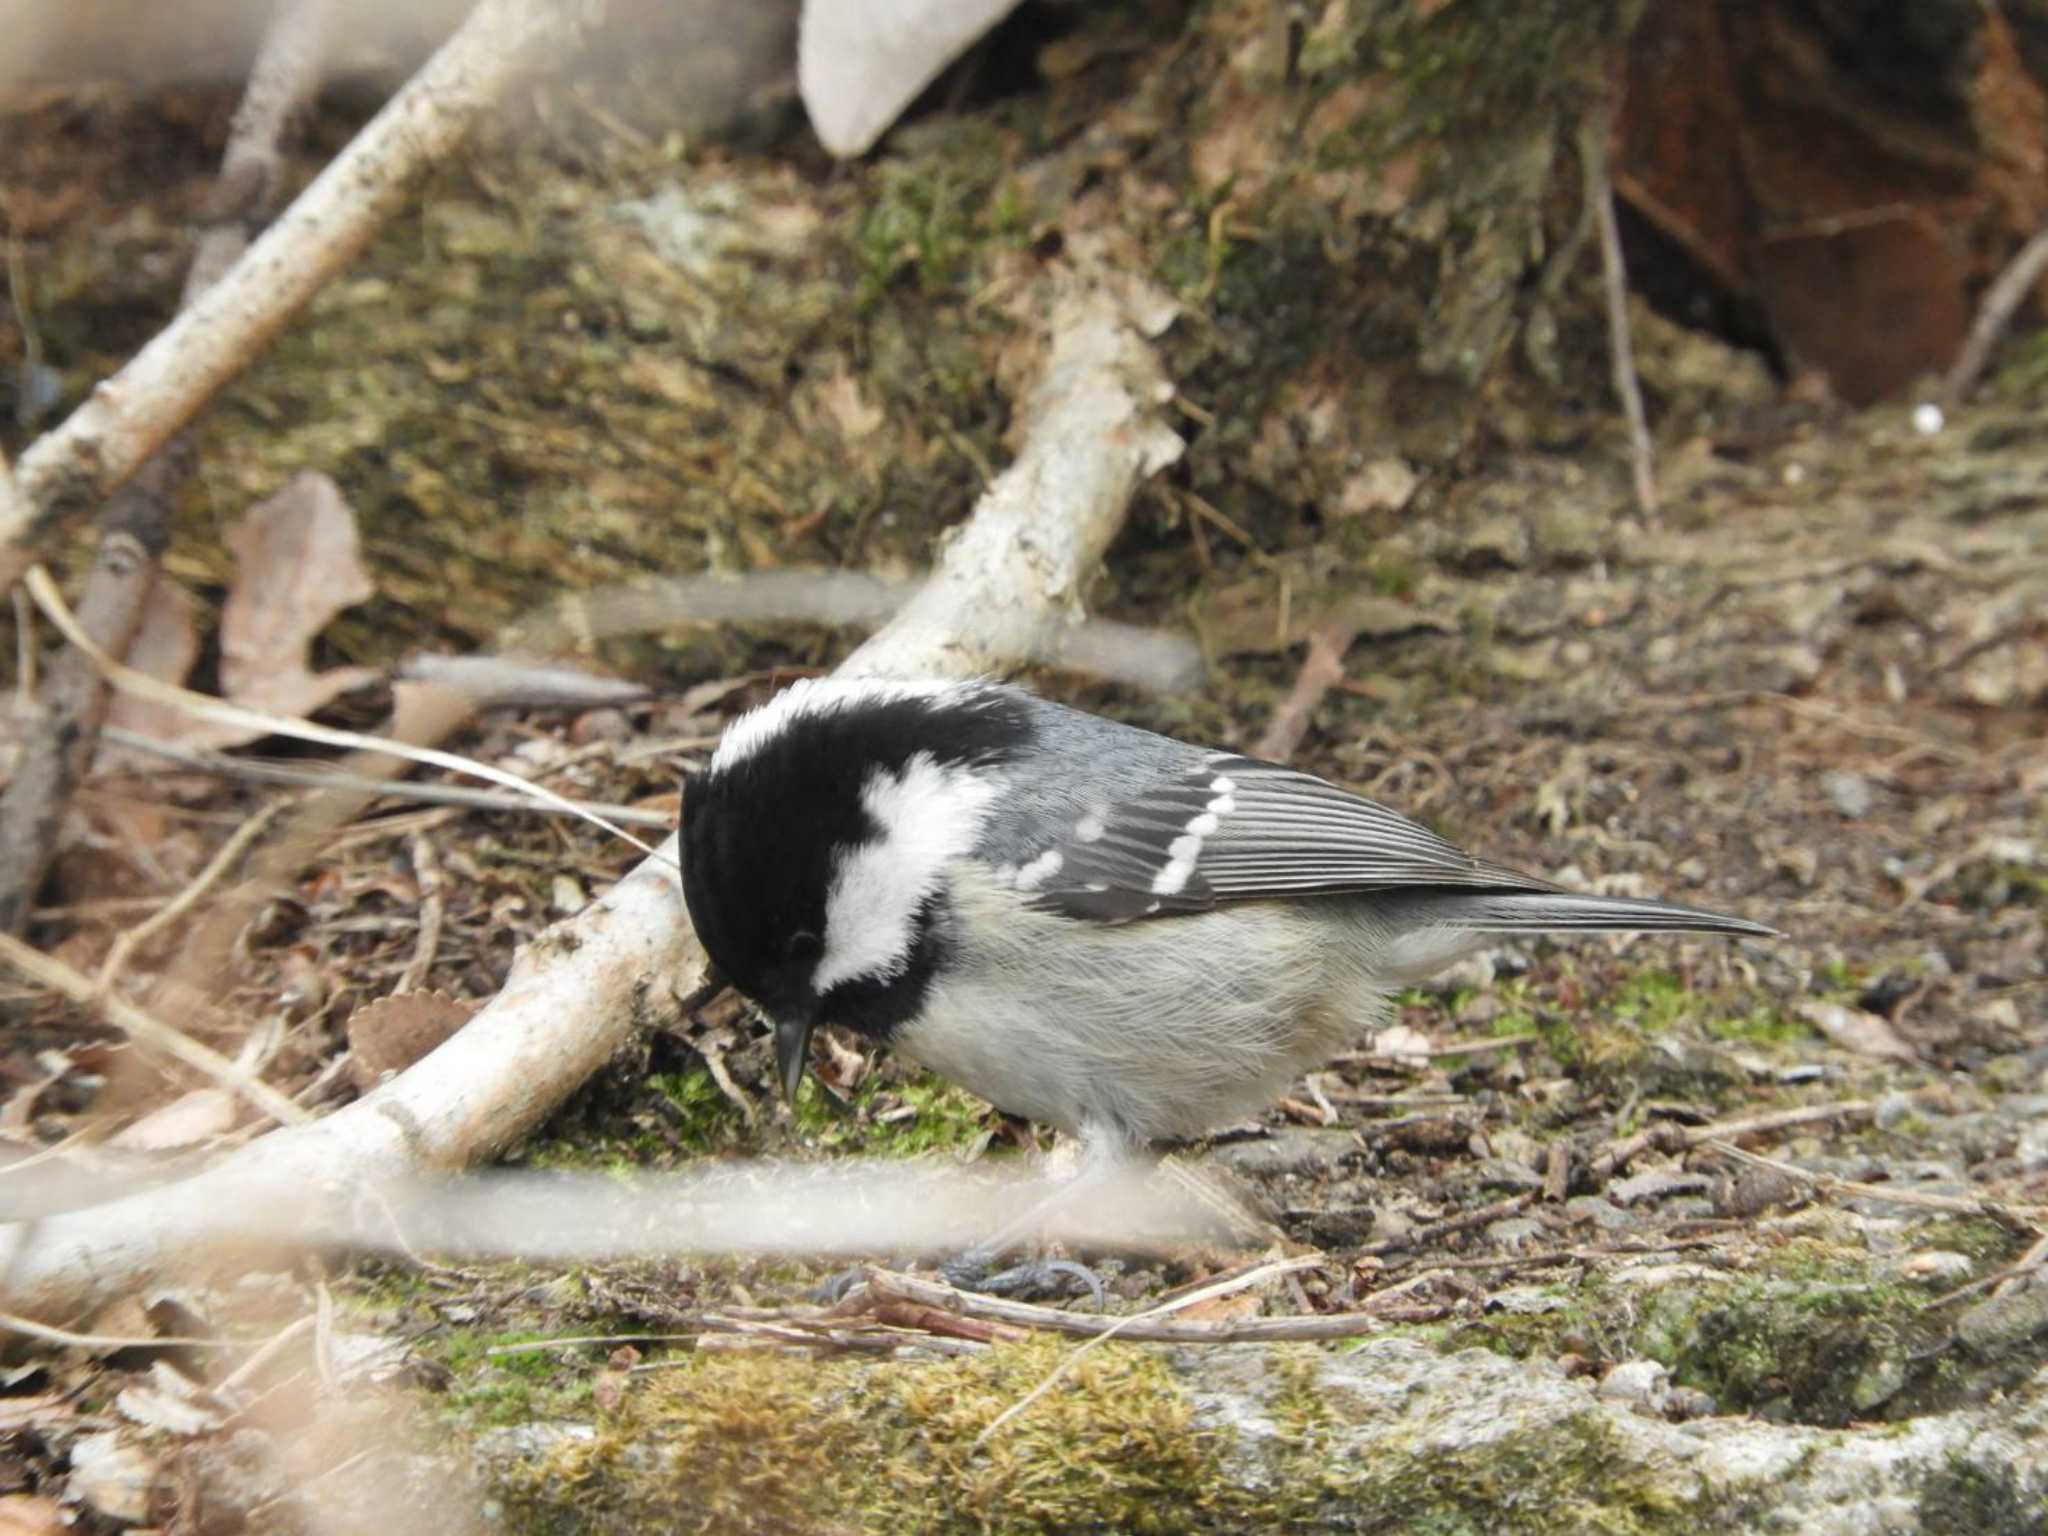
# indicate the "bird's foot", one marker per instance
pixel 1032 1280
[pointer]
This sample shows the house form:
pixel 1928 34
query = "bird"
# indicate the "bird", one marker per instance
pixel 1125 936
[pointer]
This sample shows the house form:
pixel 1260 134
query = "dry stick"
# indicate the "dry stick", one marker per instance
pixel 74 702
pixel 259 772
pixel 426 865
pixel 201 706
pixel 1994 314
pixel 128 940
pixel 1599 191
pixel 130 416
pixel 1465 1221
pixel 135 525
pixel 146 1029
pixel 1664 1137
pixel 2014 1218
pixel 575 995
pixel 1137 1329
pixel 1321 670
pixel 1228 1286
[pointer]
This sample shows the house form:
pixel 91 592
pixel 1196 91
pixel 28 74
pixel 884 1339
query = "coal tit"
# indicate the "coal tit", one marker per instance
pixel 1108 930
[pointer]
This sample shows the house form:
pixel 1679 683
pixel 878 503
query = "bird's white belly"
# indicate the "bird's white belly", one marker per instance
pixel 1148 1030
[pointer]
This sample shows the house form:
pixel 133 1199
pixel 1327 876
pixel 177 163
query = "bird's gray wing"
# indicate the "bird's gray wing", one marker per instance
pixel 1230 828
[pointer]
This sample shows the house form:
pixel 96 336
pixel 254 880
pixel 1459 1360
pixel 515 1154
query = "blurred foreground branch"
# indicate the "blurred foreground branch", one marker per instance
pixel 1006 583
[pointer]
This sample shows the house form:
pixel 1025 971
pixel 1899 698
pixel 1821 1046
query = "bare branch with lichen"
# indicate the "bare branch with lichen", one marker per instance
pixel 132 415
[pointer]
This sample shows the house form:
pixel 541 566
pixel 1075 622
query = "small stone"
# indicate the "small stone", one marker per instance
pixel 1602 1213
pixel 1642 1384
pixel 2004 1322
pixel 1877 1383
pixel 1942 1264
pixel 1850 792
pixel 1515 1232
pixel 1526 1301
pixel 1656 1183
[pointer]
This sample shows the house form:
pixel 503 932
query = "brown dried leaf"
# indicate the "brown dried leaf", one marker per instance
pixel 389 1035
pixel 28 1514
pixel 1222 1309
pixel 170 1401
pixel 165 645
pixel 297 566
pixel 1854 1030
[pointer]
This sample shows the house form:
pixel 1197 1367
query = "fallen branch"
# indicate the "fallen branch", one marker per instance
pixel 887 1285
pixel 67 726
pixel 68 471
pixel 2001 301
pixel 1321 670
pixel 135 524
pixel 2021 1219
pixel 1599 191
pixel 1665 1137
pixel 580 991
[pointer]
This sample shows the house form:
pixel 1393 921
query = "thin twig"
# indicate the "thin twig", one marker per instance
pixel 1599 191
pixel 1994 313
pixel 220 712
pixel 1512 1206
pixel 1229 1286
pixel 1665 1137
pixel 148 1030
pixel 129 940
pixel 1321 670
pixel 44 1333
pixel 2012 1218
pixel 426 865
pixel 259 772
pixel 891 1285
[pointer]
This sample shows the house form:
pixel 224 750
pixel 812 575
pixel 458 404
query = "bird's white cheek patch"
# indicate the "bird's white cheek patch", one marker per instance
pixel 927 816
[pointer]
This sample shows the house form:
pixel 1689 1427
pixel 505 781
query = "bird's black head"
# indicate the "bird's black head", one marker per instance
pixel 814 844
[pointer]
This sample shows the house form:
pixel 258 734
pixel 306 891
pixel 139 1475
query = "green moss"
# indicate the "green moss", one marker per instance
pixel 929 216
pixel 1570 1476
pixel 1970 1498
pixel 737 1444
pixel 488 1391
pixel 1813 1340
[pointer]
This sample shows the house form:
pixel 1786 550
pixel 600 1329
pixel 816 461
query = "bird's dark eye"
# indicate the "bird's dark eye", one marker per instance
pixel 802 948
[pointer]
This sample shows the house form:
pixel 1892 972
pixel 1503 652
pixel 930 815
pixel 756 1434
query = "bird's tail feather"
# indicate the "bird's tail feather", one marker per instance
pixel 1571 911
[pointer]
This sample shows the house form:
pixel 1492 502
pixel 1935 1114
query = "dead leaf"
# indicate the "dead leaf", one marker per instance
pixel 1221 1309
pixel 198 1116
pixel 113 1475
pixel 297 566
pixel 1854 1030
pixel 170 1401
pixel 389 1035
pixel 28 1514
pixel 165 645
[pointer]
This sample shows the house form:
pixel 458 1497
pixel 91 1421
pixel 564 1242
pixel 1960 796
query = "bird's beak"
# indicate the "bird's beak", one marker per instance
pixel 793 1050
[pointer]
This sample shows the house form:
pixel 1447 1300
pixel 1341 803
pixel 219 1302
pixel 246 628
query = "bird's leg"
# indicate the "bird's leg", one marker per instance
pixel 1101 1154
